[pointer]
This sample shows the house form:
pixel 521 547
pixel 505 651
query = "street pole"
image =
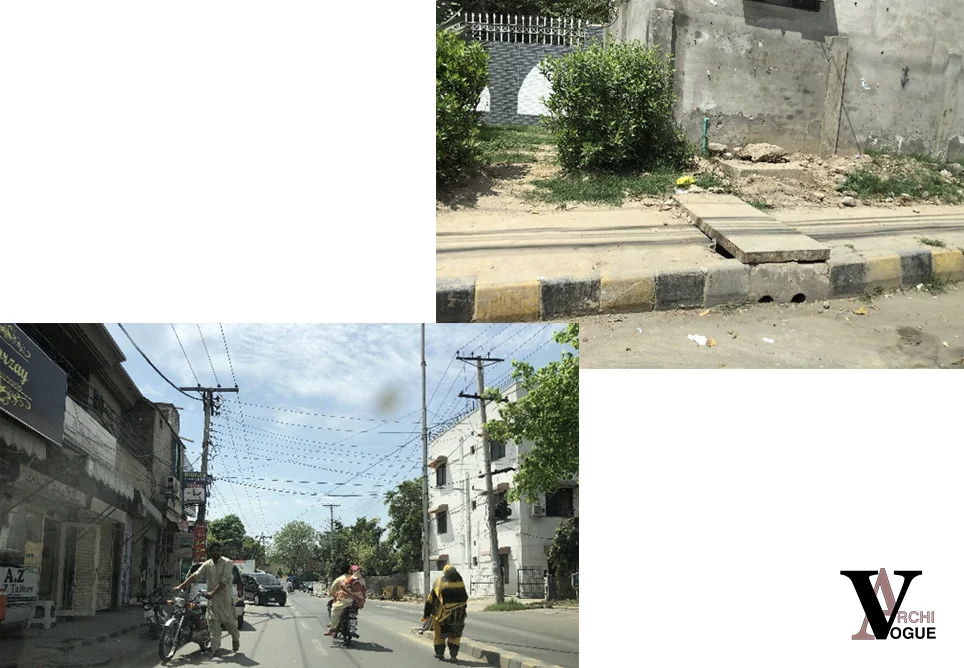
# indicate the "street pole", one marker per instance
pixel 331 507
pixel 490 496
pixel 425 566
pixel 207 396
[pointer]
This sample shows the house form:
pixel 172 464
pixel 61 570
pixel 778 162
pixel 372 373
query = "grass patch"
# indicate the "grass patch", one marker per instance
pixel 611 189
pixel 513 144
pixel 936 243
pixel 869 296
pixel 760 204
pixel 891 176
pixel 707 180
pixel 936 286
pixel 511 604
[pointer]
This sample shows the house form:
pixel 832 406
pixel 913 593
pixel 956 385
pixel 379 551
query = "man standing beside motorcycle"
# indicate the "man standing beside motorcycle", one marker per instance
pixel 446 605
pixel 346 590
pixel 220 610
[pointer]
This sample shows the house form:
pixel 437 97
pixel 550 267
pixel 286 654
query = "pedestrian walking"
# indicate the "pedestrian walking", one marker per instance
pixel 446 605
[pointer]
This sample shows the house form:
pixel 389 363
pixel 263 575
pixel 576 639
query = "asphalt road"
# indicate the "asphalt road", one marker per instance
pixel 292 636
pixel 908 330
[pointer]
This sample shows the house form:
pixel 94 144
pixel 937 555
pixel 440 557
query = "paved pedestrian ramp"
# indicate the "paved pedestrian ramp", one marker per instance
pixel 749 235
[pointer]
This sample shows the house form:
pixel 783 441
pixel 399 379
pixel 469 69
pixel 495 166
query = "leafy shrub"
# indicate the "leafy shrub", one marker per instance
pixel 611 109
pixel 461 72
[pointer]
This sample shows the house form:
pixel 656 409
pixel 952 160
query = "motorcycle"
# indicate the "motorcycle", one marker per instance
pixel 186 625
pixel 155 616
pixel 348 626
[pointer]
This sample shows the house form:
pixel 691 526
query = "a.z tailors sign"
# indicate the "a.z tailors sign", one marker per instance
pixel 19 584
pixel 33 389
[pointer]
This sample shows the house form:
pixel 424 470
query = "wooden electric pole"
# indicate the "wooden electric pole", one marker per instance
pixel 490 496
pixel 207 395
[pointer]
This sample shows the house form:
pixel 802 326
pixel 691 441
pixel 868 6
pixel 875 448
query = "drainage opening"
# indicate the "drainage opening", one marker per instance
pixel 766 300
pixel 799 298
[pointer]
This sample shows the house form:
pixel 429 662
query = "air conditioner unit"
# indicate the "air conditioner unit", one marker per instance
pixel 537 511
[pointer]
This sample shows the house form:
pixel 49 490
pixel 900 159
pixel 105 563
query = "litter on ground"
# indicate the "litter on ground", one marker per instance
pixel 768 340
pixel 698 339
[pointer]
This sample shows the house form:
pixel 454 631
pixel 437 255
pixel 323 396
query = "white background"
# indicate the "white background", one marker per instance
pixel 720 508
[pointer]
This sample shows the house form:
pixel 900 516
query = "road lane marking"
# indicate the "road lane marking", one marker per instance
pixel 304 625
pixel 319 646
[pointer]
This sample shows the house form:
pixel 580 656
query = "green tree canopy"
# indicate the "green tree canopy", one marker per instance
pixel 229 531
pixel 405 525
pixel 564 551
pixel 294 546
pixel 548 416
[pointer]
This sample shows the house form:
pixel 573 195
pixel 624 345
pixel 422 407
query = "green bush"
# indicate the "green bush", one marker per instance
pixel 611 109
pixel 461 72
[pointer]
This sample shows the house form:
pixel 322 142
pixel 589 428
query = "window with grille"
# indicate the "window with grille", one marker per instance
pixel 440 475
pixel 496 449
pixel 559 504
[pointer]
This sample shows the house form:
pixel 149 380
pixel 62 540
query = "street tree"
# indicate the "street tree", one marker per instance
pixel 548 416
pixel 229 531
pixel 564 550
pixel 251 548
pixel 294 545
pixel 405 525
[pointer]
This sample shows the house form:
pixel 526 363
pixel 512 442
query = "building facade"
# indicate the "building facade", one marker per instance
pixel 822 76
pixel 458 530
pixel 90 498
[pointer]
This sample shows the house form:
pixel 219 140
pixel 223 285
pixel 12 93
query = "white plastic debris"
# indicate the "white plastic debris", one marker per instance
pixel 699 339
pixel 639 329
pixel 920 286
pixel 768 340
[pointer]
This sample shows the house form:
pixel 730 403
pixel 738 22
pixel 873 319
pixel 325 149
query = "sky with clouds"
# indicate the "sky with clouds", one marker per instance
pixel 326 414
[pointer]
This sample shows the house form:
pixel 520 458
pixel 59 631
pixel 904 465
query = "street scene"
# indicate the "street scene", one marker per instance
pixel 762 170
pixel 289 495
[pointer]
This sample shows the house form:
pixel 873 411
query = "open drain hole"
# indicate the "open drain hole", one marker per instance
pixel 799 298
pixel 766 300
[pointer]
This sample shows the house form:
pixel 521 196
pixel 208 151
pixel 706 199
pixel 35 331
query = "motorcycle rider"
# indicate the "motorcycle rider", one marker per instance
pixel 218 570
pixel 346 590
pixel 446 604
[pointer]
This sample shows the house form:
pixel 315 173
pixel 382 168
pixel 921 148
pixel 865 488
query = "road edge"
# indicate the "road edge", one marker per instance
pixel 491 654
pixel 728 283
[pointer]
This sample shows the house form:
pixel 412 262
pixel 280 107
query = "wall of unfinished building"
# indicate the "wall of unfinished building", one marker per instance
pixel 845 78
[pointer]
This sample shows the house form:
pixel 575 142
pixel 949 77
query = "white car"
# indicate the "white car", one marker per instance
pixel 201 585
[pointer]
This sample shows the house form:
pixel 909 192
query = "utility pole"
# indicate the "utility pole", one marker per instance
pixel 207 395
pixel 331 507
pixel 490 496
pixel 426 575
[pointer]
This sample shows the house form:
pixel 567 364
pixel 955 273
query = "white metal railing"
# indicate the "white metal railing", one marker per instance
pixel 525 29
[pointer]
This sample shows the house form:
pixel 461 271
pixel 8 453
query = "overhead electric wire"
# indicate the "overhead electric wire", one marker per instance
pixel 334 417
pixel 153 366
pixel 204 343
pixel 189 365
pixel 230 363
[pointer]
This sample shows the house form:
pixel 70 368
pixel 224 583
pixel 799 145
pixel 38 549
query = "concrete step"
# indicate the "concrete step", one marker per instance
pixel 749 235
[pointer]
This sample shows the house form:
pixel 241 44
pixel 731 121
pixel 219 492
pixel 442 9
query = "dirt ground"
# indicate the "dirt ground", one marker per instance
pixel 899 331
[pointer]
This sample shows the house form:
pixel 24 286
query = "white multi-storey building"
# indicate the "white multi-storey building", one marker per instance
pixel 458 530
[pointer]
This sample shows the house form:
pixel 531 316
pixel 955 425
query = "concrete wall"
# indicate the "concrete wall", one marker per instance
pixel 848 77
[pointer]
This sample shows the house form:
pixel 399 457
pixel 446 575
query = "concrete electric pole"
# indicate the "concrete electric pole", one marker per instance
pixel 490 496
pixel 207 395
pixel 426 574
pixel 331 507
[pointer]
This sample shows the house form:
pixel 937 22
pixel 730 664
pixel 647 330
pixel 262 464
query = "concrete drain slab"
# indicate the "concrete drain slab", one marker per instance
pixel 749 235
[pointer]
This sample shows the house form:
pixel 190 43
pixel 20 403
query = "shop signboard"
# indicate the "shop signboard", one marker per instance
pixel 194 491
pixel 184 545
pixel 31 555
pixel 19 584
pixel 33 389
pixel 200 542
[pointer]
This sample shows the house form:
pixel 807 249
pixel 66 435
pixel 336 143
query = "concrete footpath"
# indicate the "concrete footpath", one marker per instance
pixel 510 266
pixel 80 641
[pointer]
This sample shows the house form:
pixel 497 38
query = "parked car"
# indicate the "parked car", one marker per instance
pixel 263 588
pixel 197 586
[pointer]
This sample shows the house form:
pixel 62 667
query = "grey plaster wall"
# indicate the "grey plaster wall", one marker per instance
pixel 509 66
pixel 760 72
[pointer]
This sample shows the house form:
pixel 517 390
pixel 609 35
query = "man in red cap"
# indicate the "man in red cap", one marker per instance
pixel 346 590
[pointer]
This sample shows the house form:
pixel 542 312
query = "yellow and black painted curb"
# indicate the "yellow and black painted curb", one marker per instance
pixel 727 282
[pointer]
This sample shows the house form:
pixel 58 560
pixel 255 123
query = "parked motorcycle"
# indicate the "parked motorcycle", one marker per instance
pixel 187 624
pixel 155 616
pixel 348 626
